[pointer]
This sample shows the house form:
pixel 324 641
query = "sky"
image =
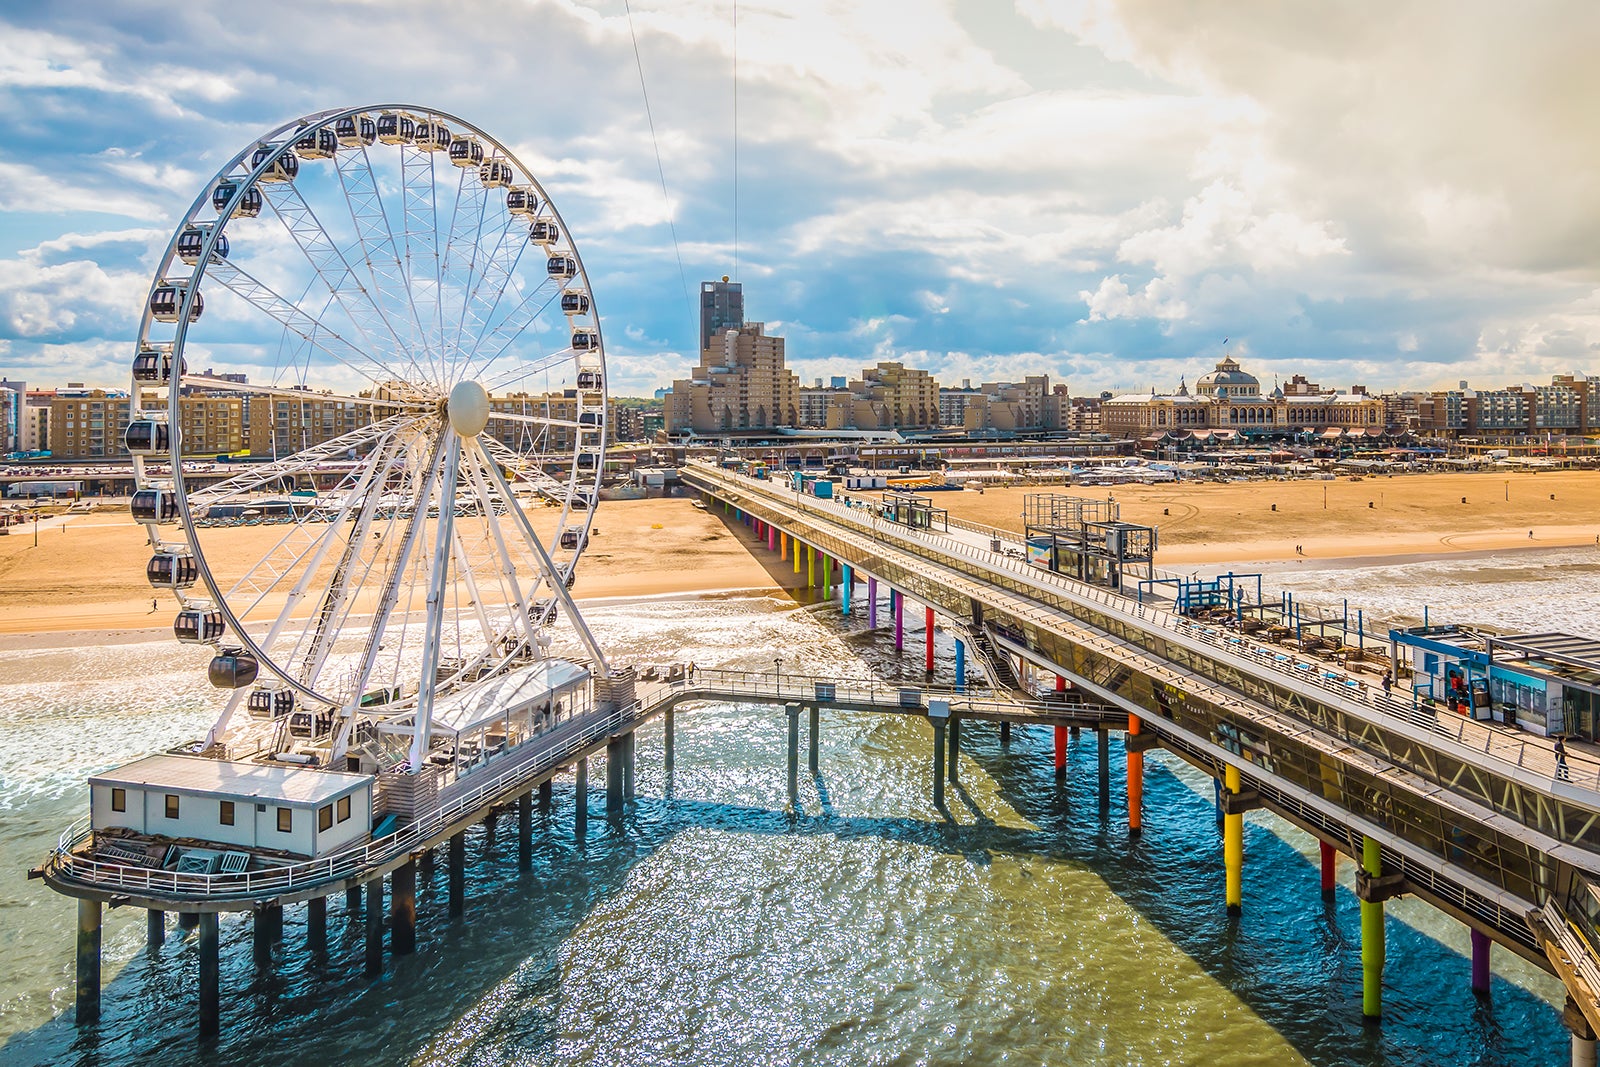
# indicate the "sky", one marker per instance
pixel 1111 193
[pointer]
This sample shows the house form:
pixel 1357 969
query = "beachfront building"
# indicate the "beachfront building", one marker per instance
pixel 889 396
pixel 740 384
pixel 1031 406
pixel 1230 398
pixel 1570 404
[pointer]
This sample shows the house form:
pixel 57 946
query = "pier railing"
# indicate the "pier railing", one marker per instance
pixel 1505 747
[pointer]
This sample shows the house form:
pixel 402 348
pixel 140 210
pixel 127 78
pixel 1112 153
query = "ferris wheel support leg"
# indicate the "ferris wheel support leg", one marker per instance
pixel 422 724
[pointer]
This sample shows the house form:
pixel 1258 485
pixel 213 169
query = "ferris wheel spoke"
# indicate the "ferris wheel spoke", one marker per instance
pixel 420 229
pixel 497 276
pixel 556 578
pixel 304 462
pixel 378 248
pixel 298 321
pixel 538 420
pixel 422 724
pixel 428 478
pixel 476 461
pixel 461 252
pixel 258 389
pixel 502 335
pixel 335 273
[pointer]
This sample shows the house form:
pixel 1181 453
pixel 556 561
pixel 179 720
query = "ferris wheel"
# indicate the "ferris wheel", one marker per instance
pixel 391 307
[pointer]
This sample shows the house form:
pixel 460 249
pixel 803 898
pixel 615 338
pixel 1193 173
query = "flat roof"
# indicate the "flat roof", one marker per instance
pixel 506 696
pixel 278 783
pixel 1569 650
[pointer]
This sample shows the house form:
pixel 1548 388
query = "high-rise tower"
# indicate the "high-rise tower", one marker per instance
pixel 721 308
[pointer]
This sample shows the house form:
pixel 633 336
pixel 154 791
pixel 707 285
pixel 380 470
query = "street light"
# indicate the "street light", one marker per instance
pixel 777 665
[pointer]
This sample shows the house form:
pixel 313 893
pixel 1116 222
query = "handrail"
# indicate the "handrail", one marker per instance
pixel 1482 739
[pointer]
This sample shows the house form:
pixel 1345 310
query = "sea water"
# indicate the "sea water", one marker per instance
pixel 714 926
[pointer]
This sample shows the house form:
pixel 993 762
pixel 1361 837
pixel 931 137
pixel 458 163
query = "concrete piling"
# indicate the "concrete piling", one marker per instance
pixel 955 749
pixel 1135 782
pixel 88 990
pixel 374 926
pixel 580 813
pixel 1372 938
pixel 547 796
pixel 317 925
pixel 927 631
pixel 1328 855
pixel 667 731
pixel 403 906
pixel 614 777
pixel 872 603
pixel 525 832
pixel 1233 847
pixel 458 874
pixel 155 928
pixel 794 753
pixel 1103 758
pixel 210 975
pixel 1480 962
pixel 938 760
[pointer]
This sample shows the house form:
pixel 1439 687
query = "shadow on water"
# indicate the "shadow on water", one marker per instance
pixel 492 981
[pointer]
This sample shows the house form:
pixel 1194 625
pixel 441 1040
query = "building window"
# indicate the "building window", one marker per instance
pixel 119 799
pixel 286 820
pixel 325 817
pixel 172 805
pixel 344 808
pixel 227 813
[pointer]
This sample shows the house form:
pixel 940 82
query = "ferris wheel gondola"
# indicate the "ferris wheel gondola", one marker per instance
pixel 418 380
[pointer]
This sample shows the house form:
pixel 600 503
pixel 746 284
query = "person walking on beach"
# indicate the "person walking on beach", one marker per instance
pixel 1388 683
pixel 1530 535
pixel 155 606
pixel 1561 759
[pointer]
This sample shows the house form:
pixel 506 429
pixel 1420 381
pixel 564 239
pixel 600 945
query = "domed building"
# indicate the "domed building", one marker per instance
pixel 1228 381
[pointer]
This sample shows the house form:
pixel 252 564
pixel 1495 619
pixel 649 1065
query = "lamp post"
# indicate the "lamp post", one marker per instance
pixel 777 666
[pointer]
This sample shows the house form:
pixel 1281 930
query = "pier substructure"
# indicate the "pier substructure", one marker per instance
pixel 1583 1036
pixel 1480 963
pixel 317 925
pixel 961 666
pixel 1328 855
pixel 1103 762
pixel 403 905
pixel 614 777
pixel 872 603
pixel 155 928
pixel 668 723
pixel 1232 844
pixel 261 934
pixel 374 954
pixel 547 796
pixel 816 729
pixel 799 550
pixel 210 975
pixel 630 742
pixel 1061 751
pixel 1372 946
pixel 938 721
pixel 352 900
pixel 794 753
pixel 188 920
pixel 927 623
pixel 1005 733
pixel 897 608
pixel 458 874
pixel 580 813
pixel 955 749
pixel 847 581
pixel 827 575
pixel 525 832
pixel 88 992
pixel 1135 756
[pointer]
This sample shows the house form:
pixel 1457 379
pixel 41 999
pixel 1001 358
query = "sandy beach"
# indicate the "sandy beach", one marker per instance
pixel 87 576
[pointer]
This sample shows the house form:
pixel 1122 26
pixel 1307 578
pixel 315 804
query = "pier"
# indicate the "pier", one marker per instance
pixel 1477 819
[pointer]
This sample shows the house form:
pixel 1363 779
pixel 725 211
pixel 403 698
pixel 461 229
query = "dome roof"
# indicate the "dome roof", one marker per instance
pixel 1228 373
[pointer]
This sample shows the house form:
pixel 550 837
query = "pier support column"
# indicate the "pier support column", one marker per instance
pixel 261 936
pixel 1103 758
pixel 955 749
pixel 1328 855
pixel 630 741
pixel 1135 782
pixel 794 753
pixel 897 605
pixel 1233 848
pixel 783 546
pixel 811 567
pixel 1583 1051
pixel 772 539
pixel 938 722
pixel 1372 947
pixel 816 730
pixel 1061 683
pixel 580 813
pixel 317 925
pixel 188 920
pixel 525 832
pixel 827 575
pixel 88 993
pixel 547 796
pixel 425 868
pixel 1480 963
pixel 352 900
pixel 374 928
pixel 668 728
pixel 1005 733
pixel 614 777
pixel 799 550
pixel 927 630
pixel 847 582
pixel 403 906
pixel 872 603
pixel 210 976
pixel 458 874
pixel 961 666
pixel 1061 752
pixel 155 928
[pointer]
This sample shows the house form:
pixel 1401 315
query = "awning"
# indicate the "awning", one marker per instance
pixel 506 697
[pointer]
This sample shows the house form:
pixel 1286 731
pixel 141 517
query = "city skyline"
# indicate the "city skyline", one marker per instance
pixel 1087 191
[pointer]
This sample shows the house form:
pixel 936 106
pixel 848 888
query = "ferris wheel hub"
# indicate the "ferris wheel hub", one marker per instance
pixel 468 409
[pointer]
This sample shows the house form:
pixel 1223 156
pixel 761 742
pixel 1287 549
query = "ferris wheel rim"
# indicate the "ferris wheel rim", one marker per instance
pixel 281 141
